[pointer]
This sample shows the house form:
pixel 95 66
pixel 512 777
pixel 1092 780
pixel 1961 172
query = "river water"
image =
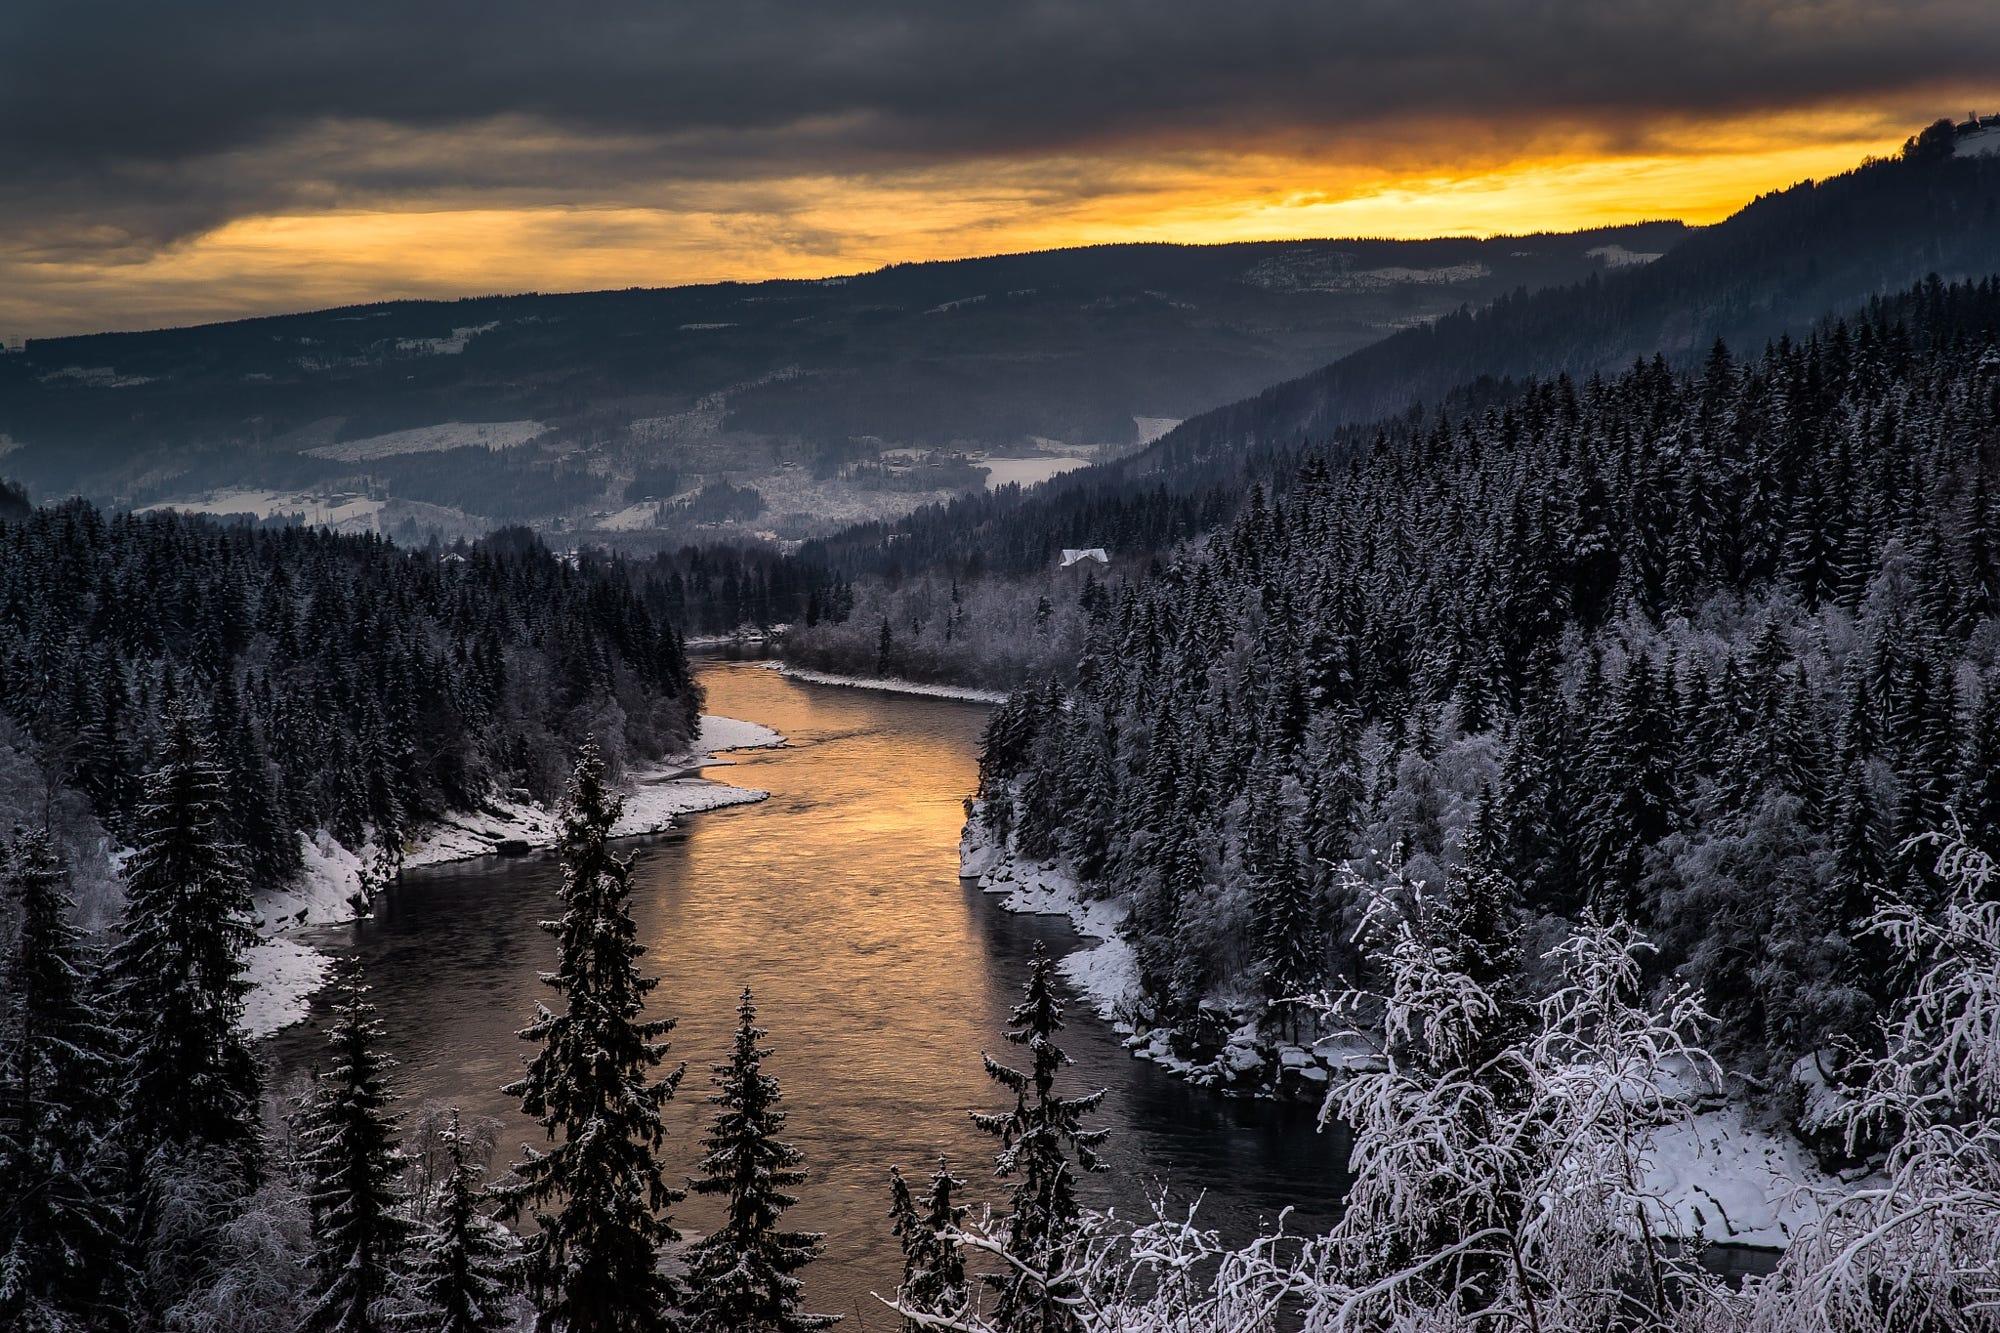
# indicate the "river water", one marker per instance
pixel 880 975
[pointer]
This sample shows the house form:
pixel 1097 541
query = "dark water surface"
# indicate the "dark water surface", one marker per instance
pixel 880 975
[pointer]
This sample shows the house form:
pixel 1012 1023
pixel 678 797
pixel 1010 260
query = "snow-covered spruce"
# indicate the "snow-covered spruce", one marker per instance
pixel 466 1264
pixel 352 1164
pixel 745 1273
pixel 1042 1264
pixel 62 1224
pixel 597 1199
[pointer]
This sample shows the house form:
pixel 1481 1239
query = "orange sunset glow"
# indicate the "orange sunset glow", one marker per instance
pixel 332 246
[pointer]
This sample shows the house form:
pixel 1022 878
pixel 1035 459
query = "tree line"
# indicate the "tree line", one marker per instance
pixel 345 685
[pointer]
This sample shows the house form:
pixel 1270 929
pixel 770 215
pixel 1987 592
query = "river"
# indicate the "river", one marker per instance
pixel 880 975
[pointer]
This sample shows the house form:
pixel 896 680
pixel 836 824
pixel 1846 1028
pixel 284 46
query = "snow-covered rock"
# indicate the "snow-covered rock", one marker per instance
pixel 1727 1182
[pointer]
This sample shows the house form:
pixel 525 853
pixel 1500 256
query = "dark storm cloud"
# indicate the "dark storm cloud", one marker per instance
pixel 123 126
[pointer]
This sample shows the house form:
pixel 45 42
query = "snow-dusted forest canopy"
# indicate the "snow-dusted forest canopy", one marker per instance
pixel 344 684
pixel 1701 652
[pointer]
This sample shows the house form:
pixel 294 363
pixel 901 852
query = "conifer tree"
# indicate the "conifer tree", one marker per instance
pixel 1038 1137
pixel 467 1263
pixel 178 970
pixel 598 1198
pixel 1636 801
pixel 743 1275
pixel 933 1257
pixel 1978 800
pixel 352 1165
pixel 1285 901
pixel 1482 939
pixel 60 1242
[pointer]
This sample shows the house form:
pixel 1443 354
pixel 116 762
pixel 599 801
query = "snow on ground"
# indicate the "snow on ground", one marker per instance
pixel 495 435
pixel 1330 271
pixel 728 733
pixel 742 636
pixel 1733 1184
pixel 1617 256
pixel 1107 973
pixel 889 684
pixel 1985 143
pixel 99 377
pixel 284 972
pixel 1026 471
pixel 1715 1176
pixel 1152 428
pixel 451 346
pixel 632 518
pixel 326 510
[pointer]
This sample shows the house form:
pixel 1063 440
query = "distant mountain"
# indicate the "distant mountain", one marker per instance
pixel 1777 267
pixel 1773 268
pixel 619 411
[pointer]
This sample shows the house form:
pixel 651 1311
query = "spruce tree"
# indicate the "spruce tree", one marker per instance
pixel 1481 935
pixel 466 1263
pixel 1038 1136
pixel 178 971
pixel 1284 901
pixel 598 1198
pixel 1637 797
pixel 1978 799
pixel 60 1227
pixel 742 1276
pixel 353 1166
pixel 933 1258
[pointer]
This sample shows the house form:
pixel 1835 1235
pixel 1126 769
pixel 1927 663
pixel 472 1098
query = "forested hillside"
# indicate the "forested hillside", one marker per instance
pixel 1700 651
pixel 1779 266
pixel 345 684
pixel 1775 267
pixel 610 411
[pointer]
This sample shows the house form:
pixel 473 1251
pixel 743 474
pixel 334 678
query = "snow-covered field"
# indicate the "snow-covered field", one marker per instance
pixel 285 972
pixel 632 518
pixel 318 510
pixel 1331 271
pixel 451 346
pixel 1027 471
pixel 1152 428
pixel 1617 256
pixel 494 435
pixel 889 684
pixel 1985 143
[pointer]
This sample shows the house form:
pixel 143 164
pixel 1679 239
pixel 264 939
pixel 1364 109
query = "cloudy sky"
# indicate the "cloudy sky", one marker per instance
pixel 168 163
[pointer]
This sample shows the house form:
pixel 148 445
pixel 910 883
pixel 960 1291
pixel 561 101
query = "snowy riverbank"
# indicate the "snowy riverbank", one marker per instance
pixel 1713 1175
pixel 284 972
pixel 888 684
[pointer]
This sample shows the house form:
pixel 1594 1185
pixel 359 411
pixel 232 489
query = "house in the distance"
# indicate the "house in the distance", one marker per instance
pixel 1086 555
